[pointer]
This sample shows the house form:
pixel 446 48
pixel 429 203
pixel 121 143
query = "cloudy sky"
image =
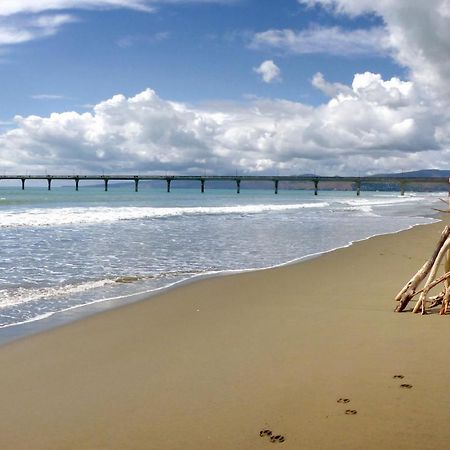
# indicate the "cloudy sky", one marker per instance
pixel 347 87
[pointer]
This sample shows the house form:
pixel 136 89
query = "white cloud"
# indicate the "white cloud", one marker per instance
pixel 25 20
pixel 330 89
pixel 372 125
pixel 330 40
pixel 269 71
pixel 9 7
pixel 132 40
pixel 20 29
pixel 48 97
pixel 418 36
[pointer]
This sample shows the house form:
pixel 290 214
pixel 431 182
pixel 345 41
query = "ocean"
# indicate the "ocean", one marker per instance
pixel 62 250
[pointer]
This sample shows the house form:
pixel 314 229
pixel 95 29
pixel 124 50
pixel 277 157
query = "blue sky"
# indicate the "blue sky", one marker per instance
pixel 209 86
pixel 186 52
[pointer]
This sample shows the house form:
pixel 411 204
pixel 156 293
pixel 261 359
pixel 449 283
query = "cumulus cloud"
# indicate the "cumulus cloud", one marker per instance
pixel 371 125
pixel 330 40
pixel 269 71
pixel 418 36
pixel 330 89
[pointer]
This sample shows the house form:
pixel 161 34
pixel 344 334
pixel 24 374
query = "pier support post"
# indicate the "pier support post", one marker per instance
pixel 106 184
pixel 49 182
pixel 168 184
pixel 136 184
pixel 238 186
pixel 402 188
pixel 202 188
pixel 276 186
pixel 358 188
pixel 23 184
pixel 316 187
pixel 77 180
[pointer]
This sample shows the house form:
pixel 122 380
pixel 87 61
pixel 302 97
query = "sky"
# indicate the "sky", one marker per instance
pixel 332 87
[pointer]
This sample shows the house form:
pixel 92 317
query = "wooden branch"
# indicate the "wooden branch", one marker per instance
pixel 445 302
pixel 405 295
pixel 437 281
pixel 446 299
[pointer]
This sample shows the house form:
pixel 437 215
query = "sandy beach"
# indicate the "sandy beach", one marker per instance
pixel 210 364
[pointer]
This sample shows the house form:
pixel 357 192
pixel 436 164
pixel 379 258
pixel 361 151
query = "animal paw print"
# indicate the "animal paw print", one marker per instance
pixel 273 438
pixel 343 400
pixel 277 438
pixel 404 385
pixel 263 433
pixel 351 412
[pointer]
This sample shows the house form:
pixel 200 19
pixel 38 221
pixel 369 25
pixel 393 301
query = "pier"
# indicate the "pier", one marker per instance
pixel 357 182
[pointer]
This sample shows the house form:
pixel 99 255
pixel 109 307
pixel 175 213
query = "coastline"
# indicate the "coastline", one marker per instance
pixel 48 321
pixel 209 364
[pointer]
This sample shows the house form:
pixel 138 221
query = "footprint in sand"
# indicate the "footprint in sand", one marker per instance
pixel 263 433
pixel 351 412
pixel 399 377
pixel 406 386
pixel 343 400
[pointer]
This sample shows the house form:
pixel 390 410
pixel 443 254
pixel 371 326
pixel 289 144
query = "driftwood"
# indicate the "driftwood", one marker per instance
pixel 429 271
pixel 409 290
pixel 442 253
pixel 433 284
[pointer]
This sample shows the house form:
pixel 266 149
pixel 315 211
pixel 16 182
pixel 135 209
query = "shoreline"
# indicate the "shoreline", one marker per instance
pixel 12 332
pixel 212 363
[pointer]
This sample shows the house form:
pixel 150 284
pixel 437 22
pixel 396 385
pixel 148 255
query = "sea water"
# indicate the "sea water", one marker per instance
pixel 63 249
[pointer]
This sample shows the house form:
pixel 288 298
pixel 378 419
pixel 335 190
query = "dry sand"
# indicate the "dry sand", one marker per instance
pixel 210 364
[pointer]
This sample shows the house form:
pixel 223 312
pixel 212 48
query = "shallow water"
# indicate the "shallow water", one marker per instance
pixel 63 249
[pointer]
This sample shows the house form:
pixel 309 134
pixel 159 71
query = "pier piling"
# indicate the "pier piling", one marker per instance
pixel 356 181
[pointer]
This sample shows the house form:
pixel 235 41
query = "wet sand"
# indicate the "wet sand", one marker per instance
pixel 210 364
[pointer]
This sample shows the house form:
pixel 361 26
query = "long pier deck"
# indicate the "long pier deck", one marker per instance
pixel 357 181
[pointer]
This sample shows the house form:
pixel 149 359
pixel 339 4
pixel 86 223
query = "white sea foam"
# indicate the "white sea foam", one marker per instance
pixel 38 217
pixel 382 201
pixel 26 295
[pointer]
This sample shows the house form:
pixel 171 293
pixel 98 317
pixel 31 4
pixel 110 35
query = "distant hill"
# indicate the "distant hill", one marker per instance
pixel 422 187
pixel 429 173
